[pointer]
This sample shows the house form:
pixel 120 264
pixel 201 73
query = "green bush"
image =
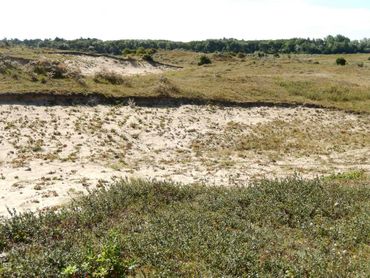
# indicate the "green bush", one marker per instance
pixel 341 61
pixel 147 57
pixel 203 60
pixel 289 228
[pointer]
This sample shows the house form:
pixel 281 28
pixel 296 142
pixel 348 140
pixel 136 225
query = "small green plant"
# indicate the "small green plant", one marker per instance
pixel 348 176
pixel 106 262
pixel 204 60
pixel 341 61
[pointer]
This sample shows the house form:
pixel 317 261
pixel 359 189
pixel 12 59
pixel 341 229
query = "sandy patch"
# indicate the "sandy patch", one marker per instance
pixel 89 66
pixel 50 154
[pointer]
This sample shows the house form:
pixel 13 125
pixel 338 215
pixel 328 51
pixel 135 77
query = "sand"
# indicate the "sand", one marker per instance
pixel 89 66
pixel 50 154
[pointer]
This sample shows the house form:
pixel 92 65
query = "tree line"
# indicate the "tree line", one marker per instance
pixel 330 45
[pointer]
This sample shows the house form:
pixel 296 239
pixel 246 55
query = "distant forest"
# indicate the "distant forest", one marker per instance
pixel 329 45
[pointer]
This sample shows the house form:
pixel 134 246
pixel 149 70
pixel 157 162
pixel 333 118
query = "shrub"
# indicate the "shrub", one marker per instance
pixel 341 61
pixel 151 51
pixel 361 64
pixel 109 77
pixel 147 57
pixel 51 69
pixel 140 51
pixel 203 60
pixel 7 65
pixel 34 77
pixel 241 55
pixel 260 54
pixel 290 228
pixel 127 51
pixel 166 88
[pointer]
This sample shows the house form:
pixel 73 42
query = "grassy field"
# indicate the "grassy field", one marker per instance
pixel 313 79
pixel 289 228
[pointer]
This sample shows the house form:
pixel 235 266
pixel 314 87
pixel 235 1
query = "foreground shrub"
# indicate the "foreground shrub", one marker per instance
pixel 204 60
pixel 291 228
pixel 341 61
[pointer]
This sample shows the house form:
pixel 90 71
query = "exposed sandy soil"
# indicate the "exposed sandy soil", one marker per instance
pixel 89 66
pixel 50 154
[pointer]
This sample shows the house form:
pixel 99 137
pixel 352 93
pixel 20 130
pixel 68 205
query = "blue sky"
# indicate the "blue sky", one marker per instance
pixel 184 19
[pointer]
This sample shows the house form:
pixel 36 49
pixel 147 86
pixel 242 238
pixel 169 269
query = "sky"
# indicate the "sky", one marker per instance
pixel 184 20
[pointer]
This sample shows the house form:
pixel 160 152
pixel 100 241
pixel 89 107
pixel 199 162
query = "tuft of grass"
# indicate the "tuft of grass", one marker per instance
pixel 348 176
pixel 288 228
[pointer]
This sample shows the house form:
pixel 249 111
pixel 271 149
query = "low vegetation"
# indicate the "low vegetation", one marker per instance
pixel 204 60
pixel 284 228
pixel 341 61
pixel 308 79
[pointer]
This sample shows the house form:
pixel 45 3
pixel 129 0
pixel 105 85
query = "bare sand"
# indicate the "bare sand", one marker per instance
pixel 50 154
pixel 89 66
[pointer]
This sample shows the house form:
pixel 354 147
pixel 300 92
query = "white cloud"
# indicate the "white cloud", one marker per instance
pixel 179 20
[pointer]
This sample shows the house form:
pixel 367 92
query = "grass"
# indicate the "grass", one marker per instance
pixel 289 228
pixel 313 79
pixel 300 137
